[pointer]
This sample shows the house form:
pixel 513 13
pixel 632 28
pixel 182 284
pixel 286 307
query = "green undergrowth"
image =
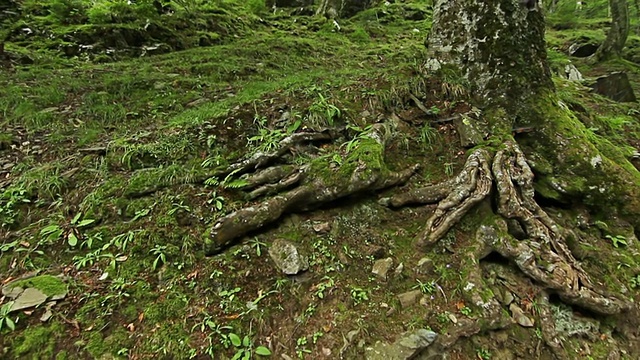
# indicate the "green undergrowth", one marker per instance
pixel 126 181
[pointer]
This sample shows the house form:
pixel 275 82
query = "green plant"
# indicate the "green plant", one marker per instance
pixel 428 135
pixel 4 317
pixel 181 207
pixel 244 348
pixel 635 282
pixel 301 348
pixel 227 297
pixel 358 295
pixel 425 288
pixel 257 245
pixel 466 311
pixel 70 231
pixel 616 240
pixel 483 354
pixel 322 113
pixel 323 286
pixel 159 252
pixel 448 169
pixel 10 200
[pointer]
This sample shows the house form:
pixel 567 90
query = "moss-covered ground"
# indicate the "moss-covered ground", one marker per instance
pixel 131 142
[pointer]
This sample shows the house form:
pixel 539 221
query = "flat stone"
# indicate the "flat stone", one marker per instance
pixel 409 298
pixel 322 228
pixel 508 297
pixel 408 346
pixel 399 269
pixel 519 316
pixel 425 266
pixel 287 257
pixel 29 298
pixel 382 267
pixel 615 86
pixel 12 292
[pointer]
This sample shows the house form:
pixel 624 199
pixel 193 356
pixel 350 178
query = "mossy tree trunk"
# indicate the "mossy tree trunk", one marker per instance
pixel 618 32
pixel 496 48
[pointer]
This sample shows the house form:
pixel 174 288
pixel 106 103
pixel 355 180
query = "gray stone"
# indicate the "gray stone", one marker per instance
pixel 519 316
pixel 29 298
pixel 583 50
pixel 322 228
pixel 425 266
pixel 409 298
pixel 287 257
pixel 572 73
pixel 615 86
pixel 382 267
pixel 471 129
pixel 399 269
pixel 12 292
pixel 408 346
pixel 508 297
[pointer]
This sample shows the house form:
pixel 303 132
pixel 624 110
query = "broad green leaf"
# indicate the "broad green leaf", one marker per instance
pixel 76 218
pixel 246 341
pixel 235 340
pixel 10 324
pixel 85 222
pixel 49 229
pixel 238 355
pixel 72 239
pixel 261 350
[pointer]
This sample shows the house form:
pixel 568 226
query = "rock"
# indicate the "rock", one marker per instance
pixel 376 251
pixel 472 131
pixel 398 270
pixel 29 298
pixel 409 298
pixel 572 73
pixel 425 266
pixel 508 298
pixel 519 316
pixel 382 267
pixel 12 292
pixel 408 346
pixel 287 257
pixel 322 228
pixel 615 86
pixel 583 50
pixel 46 316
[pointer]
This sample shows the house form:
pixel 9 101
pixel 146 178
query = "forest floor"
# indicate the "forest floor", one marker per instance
pixel 106 181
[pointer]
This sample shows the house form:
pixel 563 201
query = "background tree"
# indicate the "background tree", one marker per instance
pixel 618 32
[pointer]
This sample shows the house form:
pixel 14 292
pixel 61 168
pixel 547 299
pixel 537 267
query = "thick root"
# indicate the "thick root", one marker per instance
pixel 359 176
pixel 542 255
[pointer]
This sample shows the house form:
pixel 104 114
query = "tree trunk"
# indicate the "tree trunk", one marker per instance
pixel 496 48
pixel 617 35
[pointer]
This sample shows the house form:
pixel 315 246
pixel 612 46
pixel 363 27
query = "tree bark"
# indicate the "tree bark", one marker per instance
pixel 497 49
pixel 617 35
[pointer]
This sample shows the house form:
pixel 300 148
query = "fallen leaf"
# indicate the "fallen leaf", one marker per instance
pixel 141 317
pixel 131 327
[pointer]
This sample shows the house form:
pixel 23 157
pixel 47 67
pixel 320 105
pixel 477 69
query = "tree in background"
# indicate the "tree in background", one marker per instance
pixel 617 35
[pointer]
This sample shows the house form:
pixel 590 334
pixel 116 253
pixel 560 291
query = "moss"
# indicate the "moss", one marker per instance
pixel 49 285
pixel 38 342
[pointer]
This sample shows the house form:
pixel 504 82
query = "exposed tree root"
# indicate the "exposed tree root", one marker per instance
pixel 472 292
pixel 354 176
pixel 543 255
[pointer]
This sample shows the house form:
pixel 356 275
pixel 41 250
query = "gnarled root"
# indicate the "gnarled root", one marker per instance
pixel 356 175
pixel 542 255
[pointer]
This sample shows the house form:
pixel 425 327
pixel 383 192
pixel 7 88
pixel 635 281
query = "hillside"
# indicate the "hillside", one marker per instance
pixel 122 125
